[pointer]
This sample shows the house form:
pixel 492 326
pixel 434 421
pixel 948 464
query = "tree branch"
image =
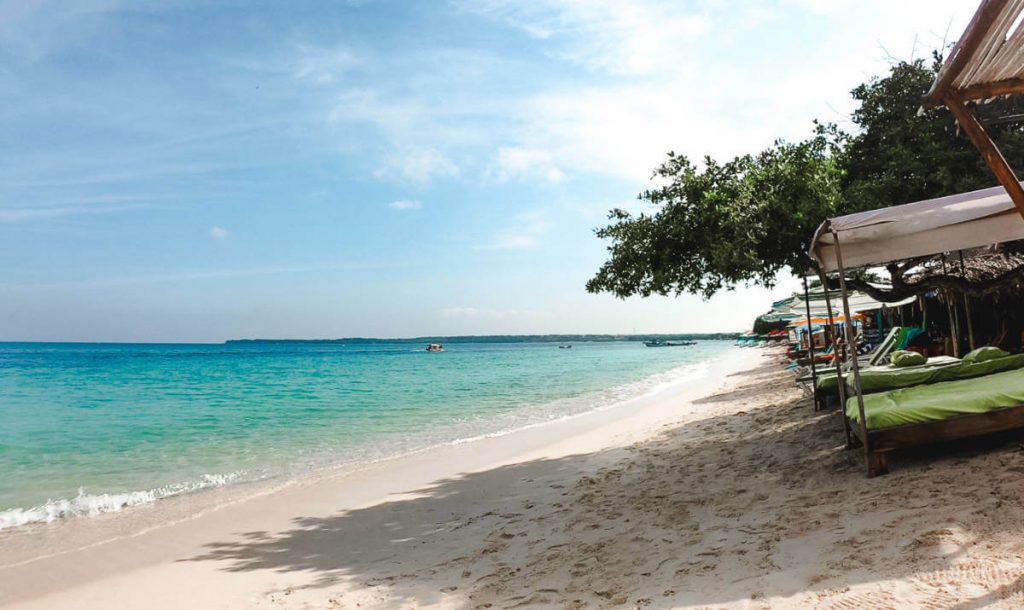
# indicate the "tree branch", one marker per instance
pixel 902 289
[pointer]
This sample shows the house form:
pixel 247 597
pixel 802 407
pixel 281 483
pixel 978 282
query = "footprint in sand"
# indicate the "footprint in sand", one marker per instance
pixel 870 600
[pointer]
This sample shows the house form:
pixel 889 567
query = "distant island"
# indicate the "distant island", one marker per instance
pixel 507 339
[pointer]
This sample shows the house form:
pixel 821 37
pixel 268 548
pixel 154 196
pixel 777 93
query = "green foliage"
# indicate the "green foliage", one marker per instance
pixel 723 224
pixel 762 327
pixel 899 155
pixel 720 225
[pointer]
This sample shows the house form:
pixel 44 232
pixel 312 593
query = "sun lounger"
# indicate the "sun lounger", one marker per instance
pixel 945 410
pixel 896 338
pixel 889 377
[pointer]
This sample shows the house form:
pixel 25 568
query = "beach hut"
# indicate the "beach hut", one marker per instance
pixel 913 232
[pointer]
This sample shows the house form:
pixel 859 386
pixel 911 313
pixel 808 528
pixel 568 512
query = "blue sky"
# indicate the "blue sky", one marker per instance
pixel 185 171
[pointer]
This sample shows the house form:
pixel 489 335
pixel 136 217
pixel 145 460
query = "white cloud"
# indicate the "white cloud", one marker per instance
pixel 323 66
pixel 218 232
pixel 821 7
pixel 672 86
pixel 621 38
pixel 206 274
pixel 38 213
pixel 405 204
pixel 416 165
pixel 516 162
pixel 416 131
pixel 514 241
pixel 527 232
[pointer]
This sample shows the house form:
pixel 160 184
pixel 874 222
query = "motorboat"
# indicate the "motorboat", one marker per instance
pixel 435 347
pixel 663 343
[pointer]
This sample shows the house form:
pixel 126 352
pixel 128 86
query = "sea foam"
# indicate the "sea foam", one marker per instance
pixel 90 505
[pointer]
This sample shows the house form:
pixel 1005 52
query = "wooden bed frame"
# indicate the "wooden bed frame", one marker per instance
pixel 881 442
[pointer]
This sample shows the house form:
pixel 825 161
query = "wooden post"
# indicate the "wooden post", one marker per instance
pixel 810 346
pixel 840 384
pixel 952 326
pixel 953 334
pixel 993 157
pixel 874 467
pixel 967 306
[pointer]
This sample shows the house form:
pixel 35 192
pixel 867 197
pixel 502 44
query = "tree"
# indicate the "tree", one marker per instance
pixel 761 327
pixel 723 224
pixel 744 221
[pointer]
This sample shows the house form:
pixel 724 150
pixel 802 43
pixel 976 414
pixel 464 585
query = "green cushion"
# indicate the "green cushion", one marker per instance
pixel 924 403
pixel 963 389
pixel 985 353
pixel 901 358
pixel 881 379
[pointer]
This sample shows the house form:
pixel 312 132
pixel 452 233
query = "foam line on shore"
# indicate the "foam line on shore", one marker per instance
pixel 90 505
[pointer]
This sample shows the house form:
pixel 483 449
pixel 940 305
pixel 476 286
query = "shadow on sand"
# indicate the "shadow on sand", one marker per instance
pixel 761 501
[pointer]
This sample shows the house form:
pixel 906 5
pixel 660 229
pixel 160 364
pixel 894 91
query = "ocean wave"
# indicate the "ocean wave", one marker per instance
pixel 90 505
pixel 524 417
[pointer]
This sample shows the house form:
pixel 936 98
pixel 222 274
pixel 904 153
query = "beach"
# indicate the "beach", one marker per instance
pixel 728 491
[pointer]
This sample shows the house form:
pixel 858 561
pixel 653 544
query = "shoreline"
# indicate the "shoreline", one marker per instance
pixel 97 504
pixel 171 526
pixel 730 493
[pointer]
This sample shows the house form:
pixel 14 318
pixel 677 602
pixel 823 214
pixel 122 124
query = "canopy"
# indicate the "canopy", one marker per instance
pixel 818 322
pixel 924 228
pixel 986 62
pixel 794 308
pixel 988 59
pixel 858 301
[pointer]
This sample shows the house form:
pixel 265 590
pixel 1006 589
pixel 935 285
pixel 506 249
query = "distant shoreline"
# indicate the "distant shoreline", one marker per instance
pixel 426 339
pixel 507 338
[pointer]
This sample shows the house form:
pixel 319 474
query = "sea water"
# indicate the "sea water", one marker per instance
pixel 92 428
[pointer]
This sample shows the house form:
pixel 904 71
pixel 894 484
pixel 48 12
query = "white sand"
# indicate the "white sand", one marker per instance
pixel 744 499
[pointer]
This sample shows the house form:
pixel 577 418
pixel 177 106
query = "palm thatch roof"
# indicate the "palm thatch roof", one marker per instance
pixel 984 271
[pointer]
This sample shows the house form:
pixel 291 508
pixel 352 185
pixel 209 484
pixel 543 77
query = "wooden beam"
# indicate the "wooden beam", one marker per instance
pixel 985 91
pixel 989 151
pixel 964 49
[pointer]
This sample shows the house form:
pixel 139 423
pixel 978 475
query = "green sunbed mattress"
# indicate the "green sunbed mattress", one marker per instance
pixel 939 401
pixel 888 377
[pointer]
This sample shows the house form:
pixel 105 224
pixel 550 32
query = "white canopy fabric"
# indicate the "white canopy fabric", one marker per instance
pixel 924 228
pixel 794 308
pixel 859 302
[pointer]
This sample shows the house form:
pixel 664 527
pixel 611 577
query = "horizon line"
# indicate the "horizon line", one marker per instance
pixel 553 336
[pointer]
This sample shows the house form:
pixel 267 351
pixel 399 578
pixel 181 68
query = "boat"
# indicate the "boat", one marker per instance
pixel 663 343
pixel 567 346
pixel 435 347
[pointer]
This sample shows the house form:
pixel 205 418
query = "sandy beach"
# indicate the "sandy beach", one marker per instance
pixel 725 492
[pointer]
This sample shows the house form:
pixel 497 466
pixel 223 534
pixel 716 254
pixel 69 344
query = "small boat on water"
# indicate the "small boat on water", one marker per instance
pixel 663 343
pixel 565 346
pixel 435 347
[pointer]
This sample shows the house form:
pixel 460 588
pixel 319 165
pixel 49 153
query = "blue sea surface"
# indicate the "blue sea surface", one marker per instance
pixel 89 428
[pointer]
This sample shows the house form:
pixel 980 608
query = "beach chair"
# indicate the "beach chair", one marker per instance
pixel 960 401
pixel 827 389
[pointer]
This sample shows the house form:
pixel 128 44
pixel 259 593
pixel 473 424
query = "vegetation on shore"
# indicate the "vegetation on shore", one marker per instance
pixel 507 339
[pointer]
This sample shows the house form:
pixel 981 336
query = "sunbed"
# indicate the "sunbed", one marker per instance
pixel 969 400
pixel 827 388
pixel 890 377
pixel 895 339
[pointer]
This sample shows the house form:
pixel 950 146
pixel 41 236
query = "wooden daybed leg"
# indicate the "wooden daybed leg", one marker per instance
pixel 849 433
pixel 877 463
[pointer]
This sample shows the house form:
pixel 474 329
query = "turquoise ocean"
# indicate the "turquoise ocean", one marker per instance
pixel 93 428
